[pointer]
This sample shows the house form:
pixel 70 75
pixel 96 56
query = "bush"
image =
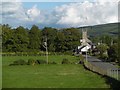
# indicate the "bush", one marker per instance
pixel 12 64
pixel 52 62
pixel 41 62
pixel 104 57
pixel 81 61
pixel 68 53
pixel 19 62
pixel 73 62
pixel 65 61
pixel 31 62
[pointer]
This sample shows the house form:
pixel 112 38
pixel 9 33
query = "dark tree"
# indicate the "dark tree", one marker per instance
pixel 107 39
pixel 7 38
pixel 51 34
pixel 72 38
pixel 60 42
pixel 113 53
pixel 21 39
pixel 35 38
pixel 102 48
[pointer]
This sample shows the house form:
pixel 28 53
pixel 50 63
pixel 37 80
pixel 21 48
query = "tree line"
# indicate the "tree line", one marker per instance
pixel 22 39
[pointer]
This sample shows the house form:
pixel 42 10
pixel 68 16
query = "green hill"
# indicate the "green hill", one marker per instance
pixel 111 29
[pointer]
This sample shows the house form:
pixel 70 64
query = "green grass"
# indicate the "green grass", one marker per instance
pixel 0 71
pixel 49 76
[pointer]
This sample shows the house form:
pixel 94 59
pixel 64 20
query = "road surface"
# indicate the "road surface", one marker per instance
pixel 103 65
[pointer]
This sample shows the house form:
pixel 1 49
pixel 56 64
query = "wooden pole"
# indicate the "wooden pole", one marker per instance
pixel 86 46
pixel 46 51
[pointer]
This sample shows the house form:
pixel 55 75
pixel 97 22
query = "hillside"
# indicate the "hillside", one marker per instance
pixel 111 29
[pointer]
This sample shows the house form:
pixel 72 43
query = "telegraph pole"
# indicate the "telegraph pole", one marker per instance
pixel 46 47
pixel 46 51
pixel 86 47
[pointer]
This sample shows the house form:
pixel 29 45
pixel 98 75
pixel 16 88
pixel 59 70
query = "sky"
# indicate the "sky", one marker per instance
pixel 58 14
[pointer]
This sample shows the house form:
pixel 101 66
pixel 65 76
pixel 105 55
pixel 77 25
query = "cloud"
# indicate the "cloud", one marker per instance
pixel 13 9
pixel 67 15
pixel 87 13
pixel 104 1
pixel 14 14
pixel 33 12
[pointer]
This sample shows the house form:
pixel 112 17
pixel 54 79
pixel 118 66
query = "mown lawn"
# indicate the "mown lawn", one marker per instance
pixel 49 76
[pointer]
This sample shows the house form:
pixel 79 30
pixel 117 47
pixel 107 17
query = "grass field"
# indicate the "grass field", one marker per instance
pixel 49 76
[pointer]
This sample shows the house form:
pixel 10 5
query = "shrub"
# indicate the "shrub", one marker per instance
pixel 68 53
pixel 31 61
pixel 41 62
pixel 81 57
pixel 81 61
pixel 52 62
pixel 104 57
pixel 12 64
pixel 19 62
pixel 65 61
pixel 73 62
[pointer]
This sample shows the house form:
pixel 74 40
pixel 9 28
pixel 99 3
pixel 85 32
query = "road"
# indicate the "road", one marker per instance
pixel 100 63
pixel 103 65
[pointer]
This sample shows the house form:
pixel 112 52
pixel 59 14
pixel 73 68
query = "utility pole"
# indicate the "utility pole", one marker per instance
pixel 111 42
pixel 86 47
pixel 46 51
pixel 45 46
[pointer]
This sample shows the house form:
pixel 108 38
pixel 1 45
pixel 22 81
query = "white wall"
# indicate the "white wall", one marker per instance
pixel 86 48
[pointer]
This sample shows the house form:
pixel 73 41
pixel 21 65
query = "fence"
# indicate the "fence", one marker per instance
pixel 114 73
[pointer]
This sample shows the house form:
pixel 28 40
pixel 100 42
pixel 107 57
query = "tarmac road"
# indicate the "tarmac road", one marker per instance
pixel 103 65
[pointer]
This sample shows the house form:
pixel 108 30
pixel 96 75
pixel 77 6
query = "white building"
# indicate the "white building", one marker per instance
pixel 86 44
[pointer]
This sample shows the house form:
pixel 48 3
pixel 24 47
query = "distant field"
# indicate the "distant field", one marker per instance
pixel 49 76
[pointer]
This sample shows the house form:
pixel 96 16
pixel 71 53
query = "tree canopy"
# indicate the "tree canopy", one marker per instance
pixel 22 39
